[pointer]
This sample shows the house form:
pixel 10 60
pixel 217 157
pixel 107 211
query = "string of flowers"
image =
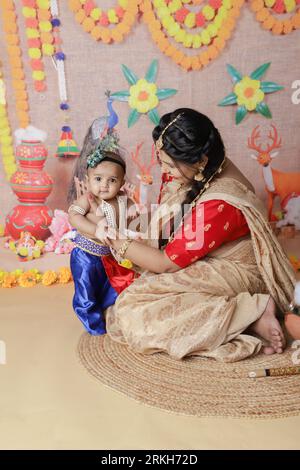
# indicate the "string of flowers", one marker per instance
pixel 269 21
pixel 33 277
pixel 214 37
pixel 59 59
pixel 12 41
pixel 97 22
pixel 192 19
pixel 30 13
pixel 45 27
pixel 9 162
pixel 180 35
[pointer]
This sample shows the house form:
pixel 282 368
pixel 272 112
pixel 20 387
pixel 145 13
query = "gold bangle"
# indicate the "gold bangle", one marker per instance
pixel 124 247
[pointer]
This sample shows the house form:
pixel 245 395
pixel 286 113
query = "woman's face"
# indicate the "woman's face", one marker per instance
pixel 179 171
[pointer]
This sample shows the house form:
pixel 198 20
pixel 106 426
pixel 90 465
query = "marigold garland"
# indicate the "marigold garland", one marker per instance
pixel 33 22
pixel 269 20
pixel 32 277
pixel 97 22
pixel 9 162
pixel 11 37
pixel 213 37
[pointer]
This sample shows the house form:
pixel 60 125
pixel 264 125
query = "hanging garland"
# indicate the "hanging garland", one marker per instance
pixel 269 20
pixel 97 22
pixel 11 38
pixel 6 144
pixel 161 24
pixel 67 146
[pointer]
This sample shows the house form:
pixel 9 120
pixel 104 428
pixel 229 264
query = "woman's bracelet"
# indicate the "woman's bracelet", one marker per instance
pixel 77 209
pixel 124 247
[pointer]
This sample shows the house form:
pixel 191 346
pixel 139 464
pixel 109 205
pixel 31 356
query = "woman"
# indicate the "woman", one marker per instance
pixel 216 283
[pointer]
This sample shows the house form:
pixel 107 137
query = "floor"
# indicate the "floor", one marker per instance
pixel 49 401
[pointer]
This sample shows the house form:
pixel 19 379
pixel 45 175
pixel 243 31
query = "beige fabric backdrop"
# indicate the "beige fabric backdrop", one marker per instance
pixel 92 67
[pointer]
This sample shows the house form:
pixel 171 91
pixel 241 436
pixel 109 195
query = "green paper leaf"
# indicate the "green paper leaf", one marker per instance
pixel 270 87
pixel 120 95
pixel 235 75
pixel 129 75
pixel 240 114
pixel 164 93
pixel 229 99
pixel 133 117
pixel 258 73
pixel 152 71
pixel 263 109
pixel 154 116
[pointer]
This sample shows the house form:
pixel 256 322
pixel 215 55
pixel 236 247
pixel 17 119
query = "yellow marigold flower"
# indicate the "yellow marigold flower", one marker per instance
pixel 227 4
pixel 249 93
pixel 143 96
pixel 270 3
pixel 112 16
pixel 32 33
pixel 38 75
pixel 158 3
pixel 205 37
pixel 49 277
pixel 188 40
pixel 36 253
pixel 27 279
pixel 190 20
pixel 17 272
pixel 48 49
pixel 290 5
pixel 174 5
pixel 1 230
pixel 64 275
pixel 28 12
pixel 9 281
pixel 45 26
pixel 123 3
pixel 173 29
pixel 2 275
pixel 163 12
pixel 197 42
pixel 208 12
pixel 96 13
pixel 34 53
pixel 45 4
pixel 180 36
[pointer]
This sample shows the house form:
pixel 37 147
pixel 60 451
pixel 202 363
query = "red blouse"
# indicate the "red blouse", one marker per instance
pixel 208 226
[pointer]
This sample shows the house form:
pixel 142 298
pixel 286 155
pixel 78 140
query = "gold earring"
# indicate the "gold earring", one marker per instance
pixel 199 177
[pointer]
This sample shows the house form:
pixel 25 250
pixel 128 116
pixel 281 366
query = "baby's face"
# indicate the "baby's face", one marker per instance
pixel 105 180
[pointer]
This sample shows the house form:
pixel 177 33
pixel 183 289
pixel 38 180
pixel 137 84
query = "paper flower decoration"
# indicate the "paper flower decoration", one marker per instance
pixel 249 92
pixel 143 96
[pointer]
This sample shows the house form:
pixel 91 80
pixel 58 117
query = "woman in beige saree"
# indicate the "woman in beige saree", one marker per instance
pixel 218 300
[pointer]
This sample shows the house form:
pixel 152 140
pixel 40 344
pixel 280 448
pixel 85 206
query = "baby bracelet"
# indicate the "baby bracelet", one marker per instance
pixel 78 209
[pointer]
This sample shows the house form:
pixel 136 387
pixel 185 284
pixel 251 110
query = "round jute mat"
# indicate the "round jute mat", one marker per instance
pixel 193 386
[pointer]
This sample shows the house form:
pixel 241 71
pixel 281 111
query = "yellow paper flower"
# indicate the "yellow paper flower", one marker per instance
pixel 249 93
pixel 143 96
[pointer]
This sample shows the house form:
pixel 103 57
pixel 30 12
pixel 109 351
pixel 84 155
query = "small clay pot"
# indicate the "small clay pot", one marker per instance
pixel 292 324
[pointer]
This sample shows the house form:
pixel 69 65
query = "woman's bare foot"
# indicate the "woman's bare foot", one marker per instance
pixel 268 327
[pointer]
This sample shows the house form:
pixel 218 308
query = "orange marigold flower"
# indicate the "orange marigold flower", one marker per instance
pixel 75 5
pixel 27 279
pixel 64 275
pixel 49 278
pixel 9 280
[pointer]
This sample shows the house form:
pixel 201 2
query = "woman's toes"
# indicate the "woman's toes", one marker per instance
pixel 268 350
